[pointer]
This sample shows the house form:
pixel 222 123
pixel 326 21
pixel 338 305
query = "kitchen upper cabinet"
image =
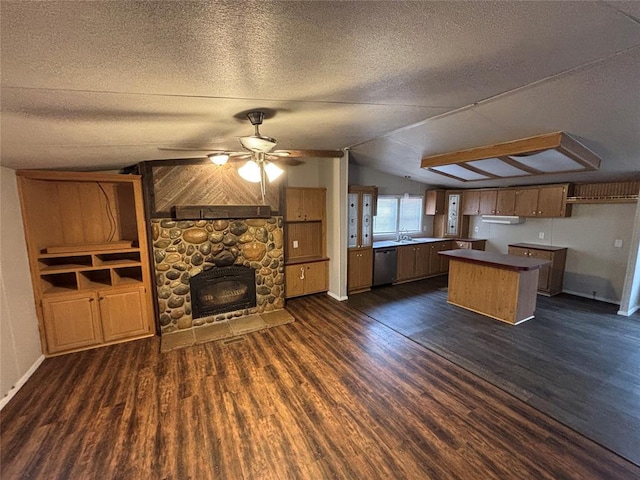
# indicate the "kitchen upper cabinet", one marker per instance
pixel 506 202
pixel 471 202
pixel 434 202
pixel 546 201
pixel 304 204
pixel 360 270
pixel 361 209
pixel 488 200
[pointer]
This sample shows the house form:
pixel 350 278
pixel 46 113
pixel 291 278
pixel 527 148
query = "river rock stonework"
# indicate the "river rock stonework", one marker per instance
pixel 183 249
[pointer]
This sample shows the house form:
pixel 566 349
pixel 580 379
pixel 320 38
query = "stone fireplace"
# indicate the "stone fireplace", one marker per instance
pixel 236 267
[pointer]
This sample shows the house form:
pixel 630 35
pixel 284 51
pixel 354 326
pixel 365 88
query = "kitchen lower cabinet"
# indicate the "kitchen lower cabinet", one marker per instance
pixel 419 261
pixel 359 270
pixel 306 278
pixel 550 276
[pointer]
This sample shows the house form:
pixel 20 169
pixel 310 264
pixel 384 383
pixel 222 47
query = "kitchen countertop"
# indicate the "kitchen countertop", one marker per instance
pixel 418 240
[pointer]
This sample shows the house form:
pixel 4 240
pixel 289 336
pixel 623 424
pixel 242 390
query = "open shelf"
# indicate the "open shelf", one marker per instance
pixel 127 276
pixel 128 258
pixel 59 283
pixel 90 279
pixel 61 263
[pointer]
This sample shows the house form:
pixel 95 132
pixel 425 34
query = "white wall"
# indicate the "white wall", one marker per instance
pixel 387 184
pixel 20 351
pixel 593 263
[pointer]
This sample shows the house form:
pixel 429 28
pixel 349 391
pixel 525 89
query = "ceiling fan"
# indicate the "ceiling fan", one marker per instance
pixel 259 153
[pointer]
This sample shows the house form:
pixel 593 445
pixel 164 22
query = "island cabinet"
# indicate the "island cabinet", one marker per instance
pixel 547 201
pixel 361 209
pixel 88 256
pixel 551 275
pixel 306 262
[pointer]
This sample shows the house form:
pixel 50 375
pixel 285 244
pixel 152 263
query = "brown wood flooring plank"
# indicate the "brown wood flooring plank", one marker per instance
pixel 333 395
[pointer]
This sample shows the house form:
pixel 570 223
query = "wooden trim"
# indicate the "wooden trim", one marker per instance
pixel 504 152
pixel 77 176
pixel 514 147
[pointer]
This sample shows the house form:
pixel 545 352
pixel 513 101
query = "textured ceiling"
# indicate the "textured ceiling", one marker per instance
pixel 102 85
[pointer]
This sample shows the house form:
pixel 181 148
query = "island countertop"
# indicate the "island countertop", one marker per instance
pixel 507 262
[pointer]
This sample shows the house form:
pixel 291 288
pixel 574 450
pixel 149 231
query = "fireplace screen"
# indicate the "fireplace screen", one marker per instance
pixel 222 289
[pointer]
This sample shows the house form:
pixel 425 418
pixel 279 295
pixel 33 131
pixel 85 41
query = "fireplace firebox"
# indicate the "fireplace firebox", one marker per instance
pixel 222 289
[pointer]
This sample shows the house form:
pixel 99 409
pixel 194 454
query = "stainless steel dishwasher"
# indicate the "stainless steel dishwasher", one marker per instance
pixel 384 266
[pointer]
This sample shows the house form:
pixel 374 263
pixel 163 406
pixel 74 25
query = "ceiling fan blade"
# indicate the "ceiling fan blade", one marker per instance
pixel 290 162
pixel 309 153
pixel 192 149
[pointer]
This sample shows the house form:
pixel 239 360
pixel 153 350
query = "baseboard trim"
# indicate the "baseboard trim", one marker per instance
pixel 11 393
pixel 628 313
pixel 337 297
pixel 591 297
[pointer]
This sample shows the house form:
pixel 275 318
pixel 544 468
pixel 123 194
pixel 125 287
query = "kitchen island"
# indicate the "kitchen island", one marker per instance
pixel 499 286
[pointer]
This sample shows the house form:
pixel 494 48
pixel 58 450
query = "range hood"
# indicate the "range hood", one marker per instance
pixel 503 219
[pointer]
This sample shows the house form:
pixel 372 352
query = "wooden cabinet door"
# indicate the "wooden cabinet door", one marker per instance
pixel 552 201
pixel 470 202
pixel 544 274
pixel 406 263
pixel 517 251
pixel 315 277
pixel 123 313
pixel 294 280
pixel 423 260
pixel 360 269
pixel 313 204
pixel 71 322
pixel 434 202
pixel 527 202
pixel 444 261
pixel 488 199
pixel 294 204
pixel 506 202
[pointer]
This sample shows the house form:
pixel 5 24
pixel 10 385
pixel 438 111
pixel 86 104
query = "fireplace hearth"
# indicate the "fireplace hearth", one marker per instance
pixel 222 289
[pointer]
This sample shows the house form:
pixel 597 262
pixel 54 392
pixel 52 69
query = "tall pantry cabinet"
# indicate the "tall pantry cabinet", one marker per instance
pixel 361 210
pixel 87 247
pixel 306 262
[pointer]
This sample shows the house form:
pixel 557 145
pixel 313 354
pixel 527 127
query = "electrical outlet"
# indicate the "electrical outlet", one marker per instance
pixel 476 229
pixel 295 244
pixel 541 235
pixel 617 243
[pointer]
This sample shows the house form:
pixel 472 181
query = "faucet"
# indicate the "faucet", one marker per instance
pixel 403 236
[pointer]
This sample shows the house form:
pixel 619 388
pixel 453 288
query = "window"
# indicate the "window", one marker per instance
pixel 398 214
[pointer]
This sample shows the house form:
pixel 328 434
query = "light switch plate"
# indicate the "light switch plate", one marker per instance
pixel 617 243
pixel 295 244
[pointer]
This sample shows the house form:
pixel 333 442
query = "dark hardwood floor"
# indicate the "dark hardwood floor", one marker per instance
pixel 577 360
pixel 335 394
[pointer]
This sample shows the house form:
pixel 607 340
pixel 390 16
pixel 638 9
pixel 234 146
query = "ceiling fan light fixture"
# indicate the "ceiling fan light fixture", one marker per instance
pixel 258 143
pixel 219 158
pixel 272 170
pixel 250 171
